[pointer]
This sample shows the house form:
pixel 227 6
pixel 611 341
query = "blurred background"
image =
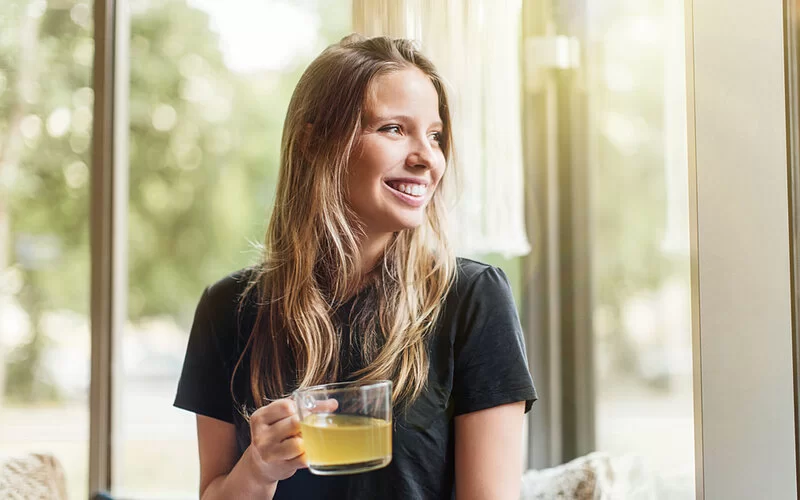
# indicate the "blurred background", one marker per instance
pixel 208 89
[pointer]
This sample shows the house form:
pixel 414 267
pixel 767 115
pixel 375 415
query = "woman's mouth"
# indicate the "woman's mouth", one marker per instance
pixel 410 193
pixel 411 189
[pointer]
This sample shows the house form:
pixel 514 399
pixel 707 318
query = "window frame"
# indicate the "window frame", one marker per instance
pixel 108 233
pixel 745 410
pixel 792 75
pixel 101 229
pixel 726 466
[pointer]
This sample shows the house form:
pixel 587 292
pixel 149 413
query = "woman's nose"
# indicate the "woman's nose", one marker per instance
pixel 421 154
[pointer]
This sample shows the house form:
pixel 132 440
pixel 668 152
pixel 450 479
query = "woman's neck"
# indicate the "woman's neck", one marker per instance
pixel 372 250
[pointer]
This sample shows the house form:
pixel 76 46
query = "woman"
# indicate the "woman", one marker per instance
pixel 358 283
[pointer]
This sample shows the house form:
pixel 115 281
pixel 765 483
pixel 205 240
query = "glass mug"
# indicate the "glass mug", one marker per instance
pixel 346 426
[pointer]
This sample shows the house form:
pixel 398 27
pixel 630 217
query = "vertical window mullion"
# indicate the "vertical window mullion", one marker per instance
pixel 539 308
pixel 741 251
pixel 792 75
pixel 109 188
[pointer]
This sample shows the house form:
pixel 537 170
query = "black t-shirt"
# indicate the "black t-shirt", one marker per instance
pixel 477 361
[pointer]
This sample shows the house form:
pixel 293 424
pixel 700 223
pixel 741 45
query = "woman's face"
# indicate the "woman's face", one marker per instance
pixel 398 160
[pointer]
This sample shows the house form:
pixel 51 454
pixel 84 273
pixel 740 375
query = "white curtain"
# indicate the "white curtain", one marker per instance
pixel 476 46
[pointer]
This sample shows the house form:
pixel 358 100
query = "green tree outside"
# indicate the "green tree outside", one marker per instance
pixel 204 148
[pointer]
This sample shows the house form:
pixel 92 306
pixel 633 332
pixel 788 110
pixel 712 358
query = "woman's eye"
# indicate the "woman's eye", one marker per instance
pixel 437 136
pixel 392 129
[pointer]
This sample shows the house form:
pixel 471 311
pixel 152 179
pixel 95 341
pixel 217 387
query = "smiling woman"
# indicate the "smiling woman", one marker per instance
pixel 358 283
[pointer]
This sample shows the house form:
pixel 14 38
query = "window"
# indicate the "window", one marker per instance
pixel 46 97
pixel 639 243
pixel 209 86
pixel 606 108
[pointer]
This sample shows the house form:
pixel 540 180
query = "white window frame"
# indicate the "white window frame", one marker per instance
pixel 743 337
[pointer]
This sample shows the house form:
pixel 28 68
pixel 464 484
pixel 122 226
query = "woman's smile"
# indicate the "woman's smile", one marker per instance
pixel 412 192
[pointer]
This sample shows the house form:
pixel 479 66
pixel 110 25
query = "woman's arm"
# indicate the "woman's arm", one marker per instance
pixel 220 475
pixel 488 451
pixel 276 453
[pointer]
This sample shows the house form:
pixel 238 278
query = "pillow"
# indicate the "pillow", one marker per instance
pixel 32 477
pixel 597 476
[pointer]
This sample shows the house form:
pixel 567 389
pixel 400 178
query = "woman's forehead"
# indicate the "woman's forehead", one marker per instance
pixel 408 93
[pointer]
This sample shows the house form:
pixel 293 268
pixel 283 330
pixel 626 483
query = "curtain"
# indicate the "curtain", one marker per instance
pixel 476 46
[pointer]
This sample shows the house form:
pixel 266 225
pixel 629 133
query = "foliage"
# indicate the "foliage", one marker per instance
pixel 203 158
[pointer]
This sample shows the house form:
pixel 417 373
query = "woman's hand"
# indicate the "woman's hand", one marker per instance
pixel 276 441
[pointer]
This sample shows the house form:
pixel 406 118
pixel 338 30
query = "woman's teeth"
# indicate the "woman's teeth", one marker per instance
pixel 410 189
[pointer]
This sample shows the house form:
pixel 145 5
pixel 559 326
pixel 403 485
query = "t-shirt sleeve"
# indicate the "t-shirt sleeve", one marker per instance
pixel 204 385
pixel 490 365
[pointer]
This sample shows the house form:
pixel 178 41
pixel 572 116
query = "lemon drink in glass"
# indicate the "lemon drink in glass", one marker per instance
pixel 346 426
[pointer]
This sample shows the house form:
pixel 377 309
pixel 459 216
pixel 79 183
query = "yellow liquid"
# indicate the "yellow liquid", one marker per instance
pixel 345 439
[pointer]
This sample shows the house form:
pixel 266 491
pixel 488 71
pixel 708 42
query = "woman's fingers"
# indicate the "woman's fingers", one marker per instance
pixel 275 411
pixel 299 462
pixel 275 435
pixel 286 428
pixel 325 406
pixel 290 448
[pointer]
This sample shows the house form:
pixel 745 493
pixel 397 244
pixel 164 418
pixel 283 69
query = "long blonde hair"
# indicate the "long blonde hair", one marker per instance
pixel 311 263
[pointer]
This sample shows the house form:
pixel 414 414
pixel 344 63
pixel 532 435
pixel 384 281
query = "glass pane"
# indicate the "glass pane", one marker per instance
pixel 46 53
pixel 639 226
pixel 209 85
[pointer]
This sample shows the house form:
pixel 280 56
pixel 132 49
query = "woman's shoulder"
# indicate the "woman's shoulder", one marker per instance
pixel 468 271
pixel 475 280
pixel 230 290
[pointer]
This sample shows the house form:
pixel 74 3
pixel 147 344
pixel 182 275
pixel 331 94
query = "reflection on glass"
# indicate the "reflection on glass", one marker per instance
pixel 46 53
pixel 209 85
pixel 639 227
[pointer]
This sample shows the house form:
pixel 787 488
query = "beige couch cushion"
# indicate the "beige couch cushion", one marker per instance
pixel 597 476
pixel 32 477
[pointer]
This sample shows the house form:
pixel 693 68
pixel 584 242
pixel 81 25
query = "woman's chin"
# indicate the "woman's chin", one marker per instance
pixel 406 223
pixel 395 221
